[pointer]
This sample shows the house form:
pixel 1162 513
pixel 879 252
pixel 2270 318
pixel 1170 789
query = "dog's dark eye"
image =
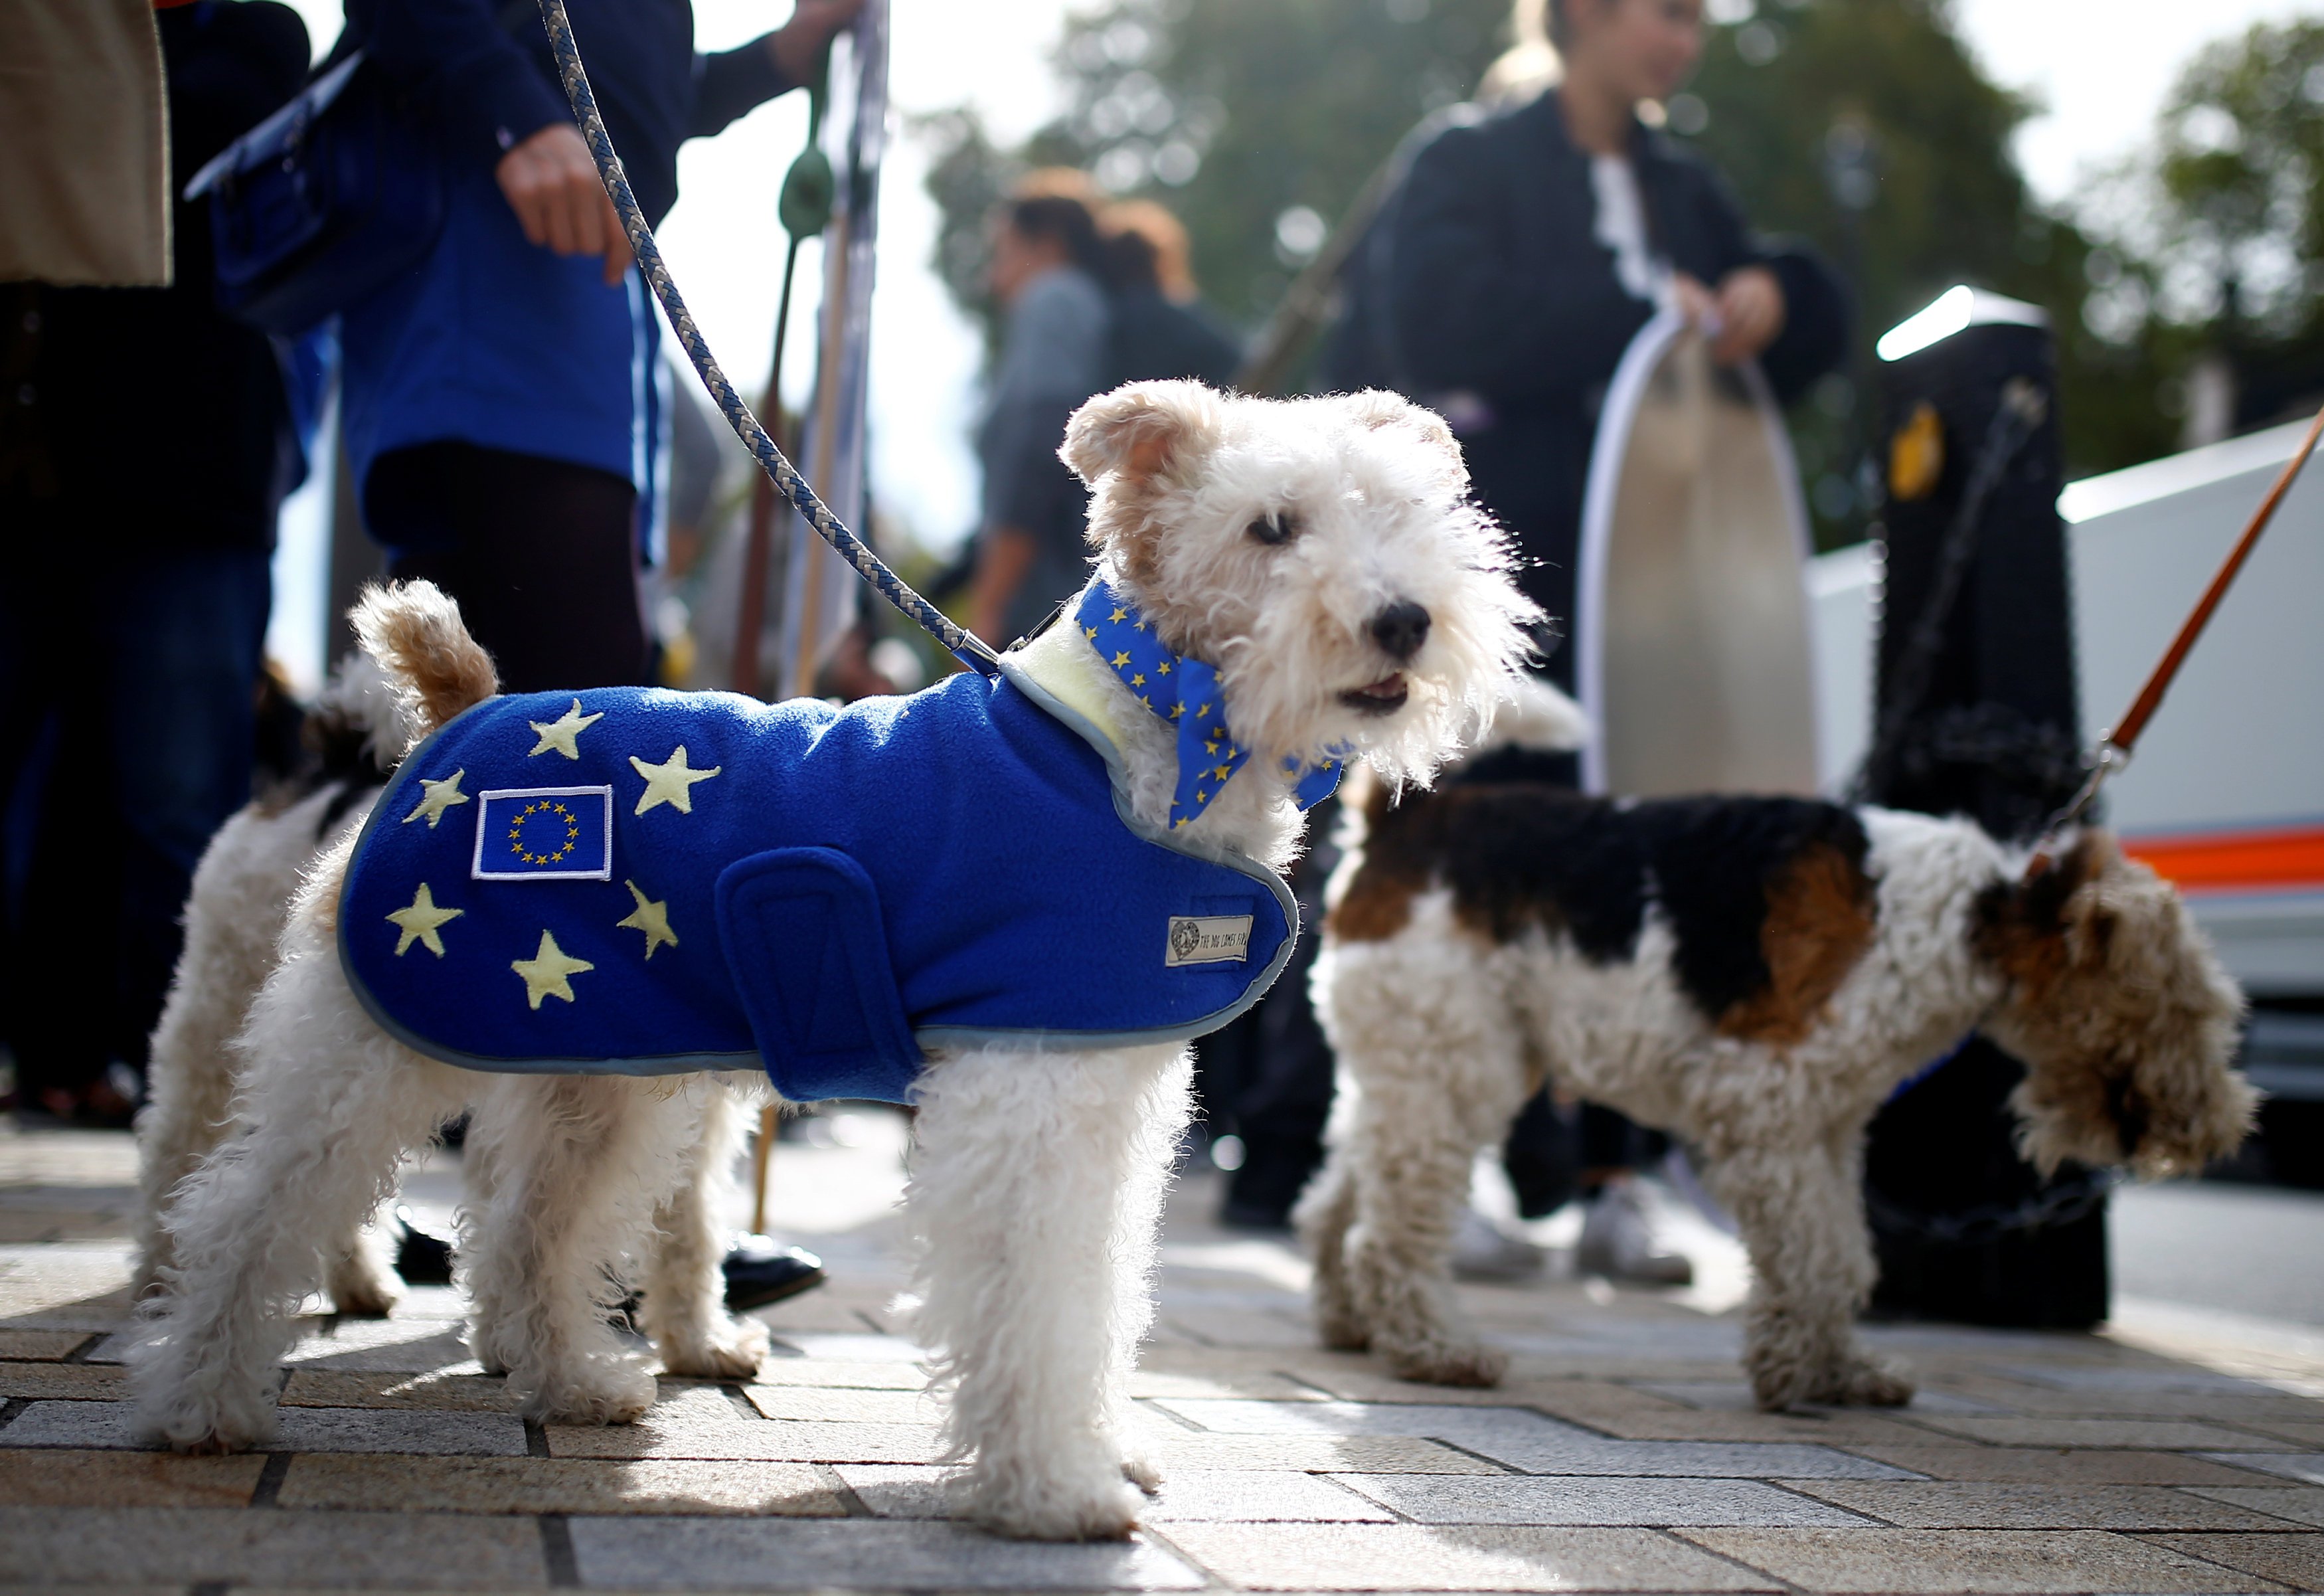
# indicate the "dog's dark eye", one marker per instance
pixel 1278 526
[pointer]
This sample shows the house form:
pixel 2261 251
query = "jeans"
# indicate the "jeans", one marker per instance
pixel 127 680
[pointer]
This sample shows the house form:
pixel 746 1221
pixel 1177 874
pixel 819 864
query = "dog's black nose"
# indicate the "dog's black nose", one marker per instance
pixel 1400 629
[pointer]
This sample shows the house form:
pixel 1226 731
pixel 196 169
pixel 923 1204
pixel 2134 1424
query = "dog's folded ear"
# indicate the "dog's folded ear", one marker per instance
pixel 1378 408
pixel 1140 430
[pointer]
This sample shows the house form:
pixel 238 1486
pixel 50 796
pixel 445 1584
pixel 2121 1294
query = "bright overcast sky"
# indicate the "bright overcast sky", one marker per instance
pixel 2100 68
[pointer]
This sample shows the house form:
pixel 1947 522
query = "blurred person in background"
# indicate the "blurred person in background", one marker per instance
pixel 1047 273
pixel 1161 328
pixel 1526 247
pixel 503 408
pixel 145 446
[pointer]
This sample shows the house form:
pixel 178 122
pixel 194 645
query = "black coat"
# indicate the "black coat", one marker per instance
pixel 1489 280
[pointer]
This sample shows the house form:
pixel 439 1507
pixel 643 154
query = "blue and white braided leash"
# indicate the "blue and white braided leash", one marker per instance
pixel 962 644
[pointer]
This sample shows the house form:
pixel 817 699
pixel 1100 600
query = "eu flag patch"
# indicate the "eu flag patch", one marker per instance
pixel 545 833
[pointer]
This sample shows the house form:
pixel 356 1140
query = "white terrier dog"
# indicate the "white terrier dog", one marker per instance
pixel 1755 975
pixel 243 890
pixel 1314 562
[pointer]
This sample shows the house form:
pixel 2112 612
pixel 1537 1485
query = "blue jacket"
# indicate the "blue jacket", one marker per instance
pixel 636 882
pixel 497 342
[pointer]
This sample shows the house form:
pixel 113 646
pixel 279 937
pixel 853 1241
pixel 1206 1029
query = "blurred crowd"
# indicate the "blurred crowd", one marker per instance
pixel 504 417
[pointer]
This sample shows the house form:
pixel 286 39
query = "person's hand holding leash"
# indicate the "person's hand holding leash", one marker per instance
pixel 551 183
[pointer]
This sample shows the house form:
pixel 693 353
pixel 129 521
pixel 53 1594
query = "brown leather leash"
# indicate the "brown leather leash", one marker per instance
pixel 2114 749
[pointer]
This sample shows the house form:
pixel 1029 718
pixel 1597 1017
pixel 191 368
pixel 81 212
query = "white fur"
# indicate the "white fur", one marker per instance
pixel 240 893
pixel 1037 1178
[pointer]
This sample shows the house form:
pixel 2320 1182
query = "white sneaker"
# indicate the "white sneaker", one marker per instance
pixel 1619 1241
pixel 1482 1251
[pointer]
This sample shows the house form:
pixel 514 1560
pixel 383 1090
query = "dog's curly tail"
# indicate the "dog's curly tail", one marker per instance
pixel 413 630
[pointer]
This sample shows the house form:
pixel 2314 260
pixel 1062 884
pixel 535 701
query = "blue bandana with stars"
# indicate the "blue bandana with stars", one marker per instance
pixel 1185 693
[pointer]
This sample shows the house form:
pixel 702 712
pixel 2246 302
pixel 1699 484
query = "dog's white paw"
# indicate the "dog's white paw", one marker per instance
pixel 1342 1331
pixel 362 1293
pixel 1873 1382
pixel 1142 1470
pixel 492 1346
pixel 1849 1380
pixel 602 1392
pixel 730 1351
pixel 208 1428
pixel 1052 1509
pixel 1457 1363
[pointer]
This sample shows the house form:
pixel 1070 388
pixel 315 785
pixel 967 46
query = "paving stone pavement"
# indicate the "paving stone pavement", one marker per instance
pixel 1622 1455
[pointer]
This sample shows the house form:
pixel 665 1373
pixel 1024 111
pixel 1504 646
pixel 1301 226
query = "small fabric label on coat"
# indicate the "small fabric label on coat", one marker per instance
pixel 1207 939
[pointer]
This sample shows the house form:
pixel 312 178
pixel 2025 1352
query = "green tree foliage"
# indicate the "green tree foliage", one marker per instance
pixel 2241 168
pixel 2228 257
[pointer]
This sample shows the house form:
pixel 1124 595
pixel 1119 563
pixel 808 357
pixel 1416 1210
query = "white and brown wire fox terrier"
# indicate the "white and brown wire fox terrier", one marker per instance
pixel 1318 557
pixel 1755 975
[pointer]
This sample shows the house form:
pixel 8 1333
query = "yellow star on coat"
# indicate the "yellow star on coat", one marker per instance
pixel 561 733
pixel 652 918
pixel 418 922
pixel 441 796
pixel 545 972
pixel 670 782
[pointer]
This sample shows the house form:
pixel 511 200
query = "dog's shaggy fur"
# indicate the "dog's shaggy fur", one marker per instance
pixel 242 891
pixel 243 894
pixel 1270 539
pixel 1755 975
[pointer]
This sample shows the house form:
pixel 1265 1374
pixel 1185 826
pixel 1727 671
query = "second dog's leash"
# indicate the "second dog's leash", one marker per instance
pixel 962 643
pixel 2114 746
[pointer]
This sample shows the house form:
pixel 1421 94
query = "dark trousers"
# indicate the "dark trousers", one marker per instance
pixel 128 688
pixel 541 555
pixel 1267 1077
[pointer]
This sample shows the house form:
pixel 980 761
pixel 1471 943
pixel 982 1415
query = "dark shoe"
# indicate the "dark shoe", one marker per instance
pixel 760 1272
pixel 421 1258
pixel 1262 1192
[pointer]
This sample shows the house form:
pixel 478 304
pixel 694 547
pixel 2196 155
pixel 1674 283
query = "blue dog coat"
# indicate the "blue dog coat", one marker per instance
pixel 636 882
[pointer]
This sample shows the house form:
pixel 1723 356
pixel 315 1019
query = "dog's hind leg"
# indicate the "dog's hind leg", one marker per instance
pixel 579 1164
pixel 328 1107
pixel 1801 1212
pixel 190 1079
pixel 685 1309
pixel 1033 1222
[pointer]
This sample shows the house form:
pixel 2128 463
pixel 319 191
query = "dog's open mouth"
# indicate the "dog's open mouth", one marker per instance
pixel 1384 696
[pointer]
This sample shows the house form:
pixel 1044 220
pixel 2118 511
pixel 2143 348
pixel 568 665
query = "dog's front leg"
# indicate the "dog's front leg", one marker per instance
pixel 1801 1212
pixel 1034 1194
pixel 1435 1053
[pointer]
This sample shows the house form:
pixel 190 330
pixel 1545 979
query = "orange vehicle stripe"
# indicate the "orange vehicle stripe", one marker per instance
pixel 2235 861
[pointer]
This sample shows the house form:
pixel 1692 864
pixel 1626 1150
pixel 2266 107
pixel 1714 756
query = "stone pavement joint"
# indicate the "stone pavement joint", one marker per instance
pixel 1622 1455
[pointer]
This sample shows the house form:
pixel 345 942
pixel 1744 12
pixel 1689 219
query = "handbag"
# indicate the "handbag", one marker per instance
pixel 331 198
